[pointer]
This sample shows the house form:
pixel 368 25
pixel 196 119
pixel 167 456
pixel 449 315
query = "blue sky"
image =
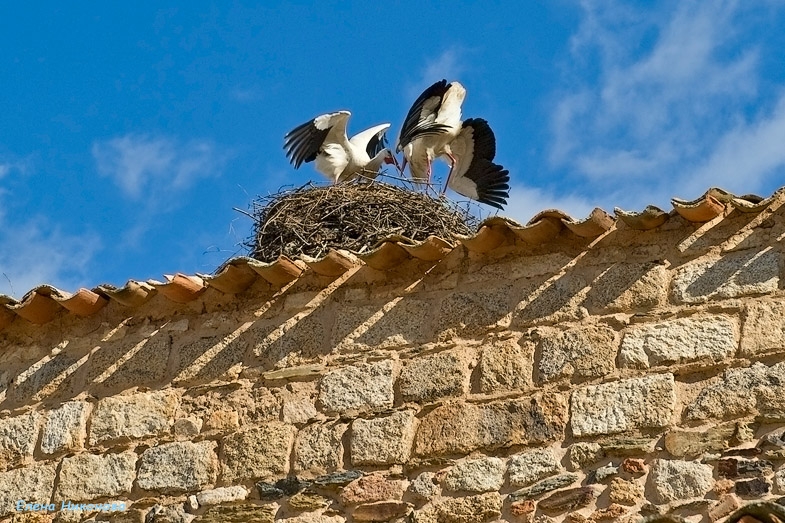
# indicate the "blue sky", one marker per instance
pixel 130 130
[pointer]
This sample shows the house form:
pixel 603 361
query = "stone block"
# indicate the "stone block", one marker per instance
pixel 145 359
pixel 429 378
pixel 178 467
pixel 711 338
pixel 673 480
pixel 620 406
pixel 88 476
pixel 764 328
pixel 133 416
pixel 220 495
pixel 299 340
pixel 238 513
pixel 318 448
pixel 459 428
pixel 506 365
pixel 779 481
pixel 381 511
pixel 398 323
pixel 65 428
pixel 546 485
pixel 257 453
pixel 18 436
pixel 583 453
pixel 569 499
pixel 363 387
pixel 471 509
pixel 628 287
pixel 756 390
pixel 754 488
pixel 383 441
pixel 552 301
pixel 476 475
pixel 370 488
pixel 313 517
pixel 625 492
pixel 33 484
pixel 206 359
pixel 472 313
pixel 531 466
pixel 691 444
pixel 580 354
pixel 425 486
pixel 736 274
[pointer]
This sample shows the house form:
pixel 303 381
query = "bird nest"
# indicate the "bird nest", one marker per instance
pixel 357 217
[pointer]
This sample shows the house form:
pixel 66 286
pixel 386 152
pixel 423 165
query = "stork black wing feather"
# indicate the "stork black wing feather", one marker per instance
pixel 484 139
pixel 302 143
pixel 491 182
pixel 377 143
pixel 413 124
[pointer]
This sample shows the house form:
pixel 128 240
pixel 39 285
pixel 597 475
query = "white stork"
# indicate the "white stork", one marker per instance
pixel 433 129
pixel 337 157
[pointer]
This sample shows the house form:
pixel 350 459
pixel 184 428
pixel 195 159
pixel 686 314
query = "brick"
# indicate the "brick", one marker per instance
pixel 506 365
pixel 736 274
pixel 580 354
pixel 764 328
pixel 712 338
pixel 383 441
pixel 133 416
pixel 318 448
pixel 363 387
pixel 18 437
pixel 628 287
pixel 65 428
pixel 33 484
pixel 178 467
pixel 86 477
pixel 673 480
pixel 611 408
pixel 433 377
pixel 756 390
pixel 459 428
pixel 257 453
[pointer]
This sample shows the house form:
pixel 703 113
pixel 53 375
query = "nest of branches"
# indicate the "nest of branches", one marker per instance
pixel 312 220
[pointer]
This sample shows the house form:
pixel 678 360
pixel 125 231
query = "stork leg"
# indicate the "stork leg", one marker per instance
pixel 452 166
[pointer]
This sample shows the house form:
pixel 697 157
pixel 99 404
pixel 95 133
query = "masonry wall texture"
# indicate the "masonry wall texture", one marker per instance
pixel 639 373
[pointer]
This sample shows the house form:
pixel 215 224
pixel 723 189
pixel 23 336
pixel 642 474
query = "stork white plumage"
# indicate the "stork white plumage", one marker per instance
pixel 433 129
pixel 337 157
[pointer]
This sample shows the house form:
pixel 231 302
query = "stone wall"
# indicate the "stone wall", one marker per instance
pixel 640 373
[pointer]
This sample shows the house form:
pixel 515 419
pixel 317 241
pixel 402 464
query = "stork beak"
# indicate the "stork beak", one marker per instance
pixel 404 163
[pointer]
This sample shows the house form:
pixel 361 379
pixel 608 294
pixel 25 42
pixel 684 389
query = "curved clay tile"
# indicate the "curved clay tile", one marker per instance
pixel 180 288
pixel 334 263
pixel 751 203
pixel 386 256
pixel 432 248
pixel 597 223
pixel 650 218
pixel 37 306
pixel 233 276
pixel 6 316
pixel 278 273
pixel 489 236
pixel 82 303
pixel 132 294
pixel 704 209
pixel 543 227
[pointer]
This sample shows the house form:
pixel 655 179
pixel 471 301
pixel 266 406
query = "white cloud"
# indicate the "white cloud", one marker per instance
pixel 450 64
pixel 137 162
pixel 668 100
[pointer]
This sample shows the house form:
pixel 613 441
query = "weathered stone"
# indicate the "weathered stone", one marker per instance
pixel 133 416
pixel 476 475
pixel 396 324
pixel 308 501
pixel 580 353
pixel 753 488
pixel 222 420
pixel 318 448
pixel 471 509
pixel 313 517
pixel 569 499
pixel 298 341
pixel 672 480
pixel 362 387
pixel 373 487
pixel 432 377
pixel 764 328
pixel 522 508
pixel 474 312
pixel 187 427
pixel 691 444
pixel 337 479
pixel 553 301
pixel 238 513
pixel 779 481
pixel 178 467
pixel 383 441
pixel 298 411
pixel 258 452
pixel 544 486
pixel 531 466
pixel 626 446
pixel 506 365
pixel 65 428
pixel 758 390
pixel 623 405
pixel 425 485
pixel 625 492
pixel 736 274
pixel 581 454
pixel 380 511
pixel 129 515
pixel 222 495
pixel 625 287
pixel 726 504
pixel 18 437
pixel 88 476
pixel 459 428
pixel 633 466
pixel 736 467
pixel 713 338
pixel 288 486
pixel 168 514
pixel 603 473
pixel 33 484
pixel 612 512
